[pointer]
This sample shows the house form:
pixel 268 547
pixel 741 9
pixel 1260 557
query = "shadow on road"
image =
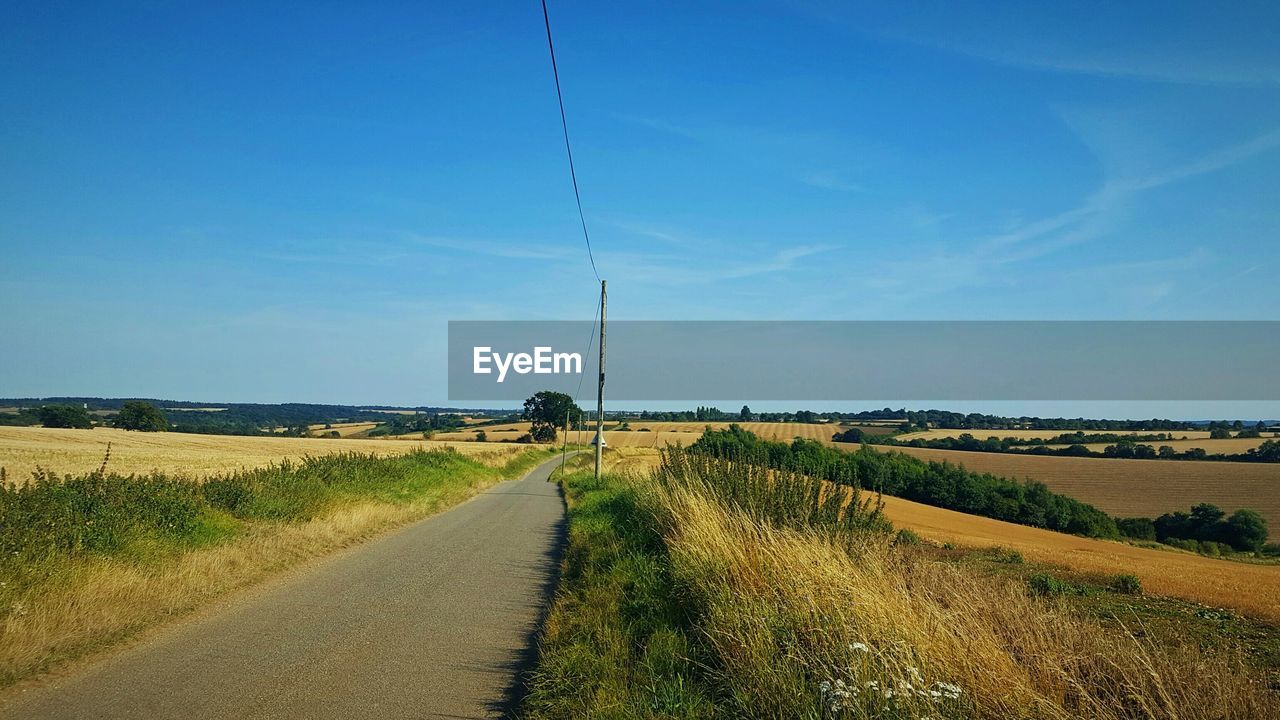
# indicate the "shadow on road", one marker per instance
pixel 518 666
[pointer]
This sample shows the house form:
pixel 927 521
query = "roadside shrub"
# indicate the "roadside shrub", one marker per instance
pixel 1005 555
pixel 906 537
pixel 1046 584
pixel 1127 583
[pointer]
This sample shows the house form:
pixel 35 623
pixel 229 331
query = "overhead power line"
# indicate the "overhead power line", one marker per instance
pixel 568 148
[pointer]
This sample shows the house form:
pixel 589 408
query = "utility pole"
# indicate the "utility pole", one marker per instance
pixel 600 388
pixel 564 449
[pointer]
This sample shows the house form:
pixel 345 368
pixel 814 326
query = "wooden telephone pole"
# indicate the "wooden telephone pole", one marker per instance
pixel 600 387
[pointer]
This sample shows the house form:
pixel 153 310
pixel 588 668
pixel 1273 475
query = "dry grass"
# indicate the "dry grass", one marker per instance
pixel 81 451
pixel 785 610
pixel 1134 488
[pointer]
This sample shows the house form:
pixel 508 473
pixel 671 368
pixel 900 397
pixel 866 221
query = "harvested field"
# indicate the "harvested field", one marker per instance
pixel 343 429
pixel 1134 488
pixel 1042 434
pixel 1253 590
pixel 79 451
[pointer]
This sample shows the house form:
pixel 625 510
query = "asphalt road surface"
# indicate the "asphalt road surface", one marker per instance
pixel 436 620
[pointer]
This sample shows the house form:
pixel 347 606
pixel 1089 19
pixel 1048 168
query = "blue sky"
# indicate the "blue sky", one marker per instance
pixel 245 203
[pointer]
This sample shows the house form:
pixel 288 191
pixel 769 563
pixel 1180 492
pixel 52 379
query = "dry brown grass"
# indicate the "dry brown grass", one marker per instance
pixel 81 451
pixel 781 608
pixel 1134 488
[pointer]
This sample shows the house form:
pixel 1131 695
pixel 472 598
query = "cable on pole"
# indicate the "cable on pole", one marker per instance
pixel 564 123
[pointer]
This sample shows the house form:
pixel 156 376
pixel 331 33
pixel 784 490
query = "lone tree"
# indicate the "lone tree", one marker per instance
pixel 64 416
pixel 139 415
pixel 548 410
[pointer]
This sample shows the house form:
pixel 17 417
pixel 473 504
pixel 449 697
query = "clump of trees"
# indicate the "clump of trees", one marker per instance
pixel 1205 529
pixel 548 410
pixel 939 484
pixel 64 416
pixel 852 435
pixel 417 423
pixel 142 416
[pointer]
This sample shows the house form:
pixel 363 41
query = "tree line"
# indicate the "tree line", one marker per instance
pixel 940 484
pixel 1073 445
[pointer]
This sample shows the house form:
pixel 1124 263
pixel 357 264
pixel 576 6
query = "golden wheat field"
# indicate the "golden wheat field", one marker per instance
pixel 1251 589
pixel 80 451
pixel 343 429
pixel 1135 488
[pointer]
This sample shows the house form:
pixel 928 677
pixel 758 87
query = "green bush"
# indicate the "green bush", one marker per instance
pixel 143 416
pixel 1046 584
pixel 906 537
pixel 1127 583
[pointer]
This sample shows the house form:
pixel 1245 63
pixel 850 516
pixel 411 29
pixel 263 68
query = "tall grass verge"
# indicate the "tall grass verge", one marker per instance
pixel 788 610
pixel 86 561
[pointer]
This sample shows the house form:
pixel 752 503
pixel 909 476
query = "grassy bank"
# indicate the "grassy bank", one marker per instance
pixel 90 560
pixel 716 591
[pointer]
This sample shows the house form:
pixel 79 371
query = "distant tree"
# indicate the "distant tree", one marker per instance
pixel 65 416
pixel 1245 530
pixel 481 436
pixel 548 410
pixel 1167 451
pixel 1219 434
pixel 1137 528
pixel 744 414
pixel 143 416
pixel 852 435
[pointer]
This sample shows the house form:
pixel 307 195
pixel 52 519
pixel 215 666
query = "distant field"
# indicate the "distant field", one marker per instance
pixel 81 451
pixel 1135 487
pixel 1251 589
pixel 1227 446
pixel 344 429
pixel 1042 434
pixel 655 434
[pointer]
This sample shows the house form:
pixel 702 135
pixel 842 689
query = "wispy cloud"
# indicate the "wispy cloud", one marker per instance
pixel 490 248
pixel 988 259
pixel 1204 54
pixel 691 270
pixel 827 180
pixel 1163 69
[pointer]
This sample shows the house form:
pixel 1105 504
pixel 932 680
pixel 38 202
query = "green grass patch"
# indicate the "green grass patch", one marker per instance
pixel 618 641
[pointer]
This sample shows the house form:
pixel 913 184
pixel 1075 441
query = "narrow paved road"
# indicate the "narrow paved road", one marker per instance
pixel 434 621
